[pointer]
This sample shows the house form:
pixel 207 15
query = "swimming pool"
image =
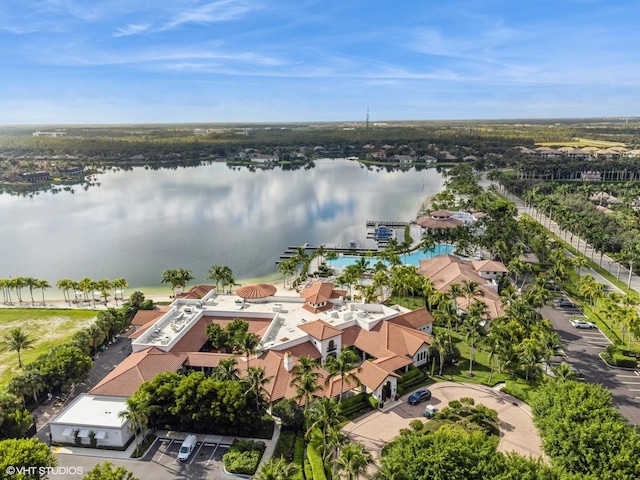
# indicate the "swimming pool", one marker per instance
pixel 408 259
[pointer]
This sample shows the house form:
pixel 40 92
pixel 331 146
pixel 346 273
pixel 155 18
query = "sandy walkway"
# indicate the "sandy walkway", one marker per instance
pixel 519 434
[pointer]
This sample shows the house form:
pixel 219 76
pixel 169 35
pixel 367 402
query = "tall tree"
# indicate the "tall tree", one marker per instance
pixel 137 414
pixel 304 379
pixel 17 341
pixel 255 381
pixel 345 366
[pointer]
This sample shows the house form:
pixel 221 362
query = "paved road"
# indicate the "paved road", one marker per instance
pixel 582 349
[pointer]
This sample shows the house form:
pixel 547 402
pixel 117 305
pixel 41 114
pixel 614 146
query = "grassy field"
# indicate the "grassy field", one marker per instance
pixel 47 328
pixel 582 142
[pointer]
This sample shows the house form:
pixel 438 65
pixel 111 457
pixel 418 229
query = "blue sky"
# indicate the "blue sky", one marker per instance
pixel 138 61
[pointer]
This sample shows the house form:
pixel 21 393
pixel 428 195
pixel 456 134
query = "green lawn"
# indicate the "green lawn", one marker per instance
pixel 48 328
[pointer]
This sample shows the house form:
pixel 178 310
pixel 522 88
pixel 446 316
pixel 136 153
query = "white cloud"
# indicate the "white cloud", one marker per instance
pixel 131 29
pixel 220 11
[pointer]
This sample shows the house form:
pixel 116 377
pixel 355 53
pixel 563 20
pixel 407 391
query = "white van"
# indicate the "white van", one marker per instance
pixel 187 448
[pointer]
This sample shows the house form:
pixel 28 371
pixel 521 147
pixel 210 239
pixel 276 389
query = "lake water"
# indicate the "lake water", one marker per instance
pixel 139 223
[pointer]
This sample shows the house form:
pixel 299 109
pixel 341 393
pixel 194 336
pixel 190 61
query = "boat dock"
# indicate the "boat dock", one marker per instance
pixel 386 223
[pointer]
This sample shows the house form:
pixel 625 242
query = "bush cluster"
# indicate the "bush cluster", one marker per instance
pixel 243 457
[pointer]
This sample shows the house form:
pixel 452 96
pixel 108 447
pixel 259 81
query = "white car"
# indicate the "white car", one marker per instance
pixel 577 323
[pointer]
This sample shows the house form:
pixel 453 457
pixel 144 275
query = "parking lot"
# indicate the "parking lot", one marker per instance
pixel 582 349
pixel 161 461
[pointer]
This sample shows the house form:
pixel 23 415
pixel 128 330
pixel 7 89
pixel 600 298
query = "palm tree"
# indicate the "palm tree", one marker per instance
pixel 354 461
pixel 323 414
pixel 564 372
pixel 31 283
pixel 248 344
pixel 478 312
pixel 304 379
pixel 118 285
pixel 579 262
pixel 277 469
pixel 255 382
pixel 470 289
pixel 287 268
pixel 137 413
pixel 103 286
pixel 217 273
pixel 42 285
pixel 227 369
pixel 343 366
pixel 439 343
pixel 170 277
pixel 18 284
pixel 16 341
pixel 86 285
pixel 529 356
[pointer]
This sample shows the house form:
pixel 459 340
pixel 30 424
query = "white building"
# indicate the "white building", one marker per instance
pixel 92 415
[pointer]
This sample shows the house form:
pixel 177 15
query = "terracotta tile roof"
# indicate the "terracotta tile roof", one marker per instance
pixel 489 266
pixel 386 339
pixel 137 368
pixel 415 319
pixel 205 359
pixel 320 329
pixel 145 316
pixel 305 349
pixel 372 375
pixel 393 363
pixel 140 330
pixel 196 292
pixel 318 292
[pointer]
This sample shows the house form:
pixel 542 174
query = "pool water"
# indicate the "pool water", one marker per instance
pixel 408 259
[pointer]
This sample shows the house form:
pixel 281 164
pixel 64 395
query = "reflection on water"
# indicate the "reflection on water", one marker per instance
pixel 141 222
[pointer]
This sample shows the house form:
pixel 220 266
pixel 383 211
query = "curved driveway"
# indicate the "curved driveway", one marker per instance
pixel 519 435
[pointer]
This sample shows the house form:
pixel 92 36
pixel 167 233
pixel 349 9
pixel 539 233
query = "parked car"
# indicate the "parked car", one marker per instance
pixel 419 396
pixel 187 448
pixel 430 411
pixel 578 323
pixel 565 303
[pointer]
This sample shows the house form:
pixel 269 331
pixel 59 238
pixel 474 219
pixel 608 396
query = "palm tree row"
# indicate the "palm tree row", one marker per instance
pixel 87 286
pixel 80 288
pixel 17 284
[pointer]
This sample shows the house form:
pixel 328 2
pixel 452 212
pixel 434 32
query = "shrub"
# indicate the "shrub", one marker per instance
pixel 243 457
pixel 416 424
pixel 298 456
pixel 620 360
pixel 355 404
pixel 515 390
pixel 373 402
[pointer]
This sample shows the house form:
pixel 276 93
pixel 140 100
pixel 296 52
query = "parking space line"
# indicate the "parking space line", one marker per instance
pixel 168 445
pixel 212 454
pixel 195 454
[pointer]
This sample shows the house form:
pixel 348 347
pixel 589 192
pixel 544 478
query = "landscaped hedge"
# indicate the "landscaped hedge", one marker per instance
pixel 357 404
pixel 317 465
pixel 412 378
pixel 298 456
pixel 617 356
pixel 243 457
pixel 620 360
pixel 284 446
